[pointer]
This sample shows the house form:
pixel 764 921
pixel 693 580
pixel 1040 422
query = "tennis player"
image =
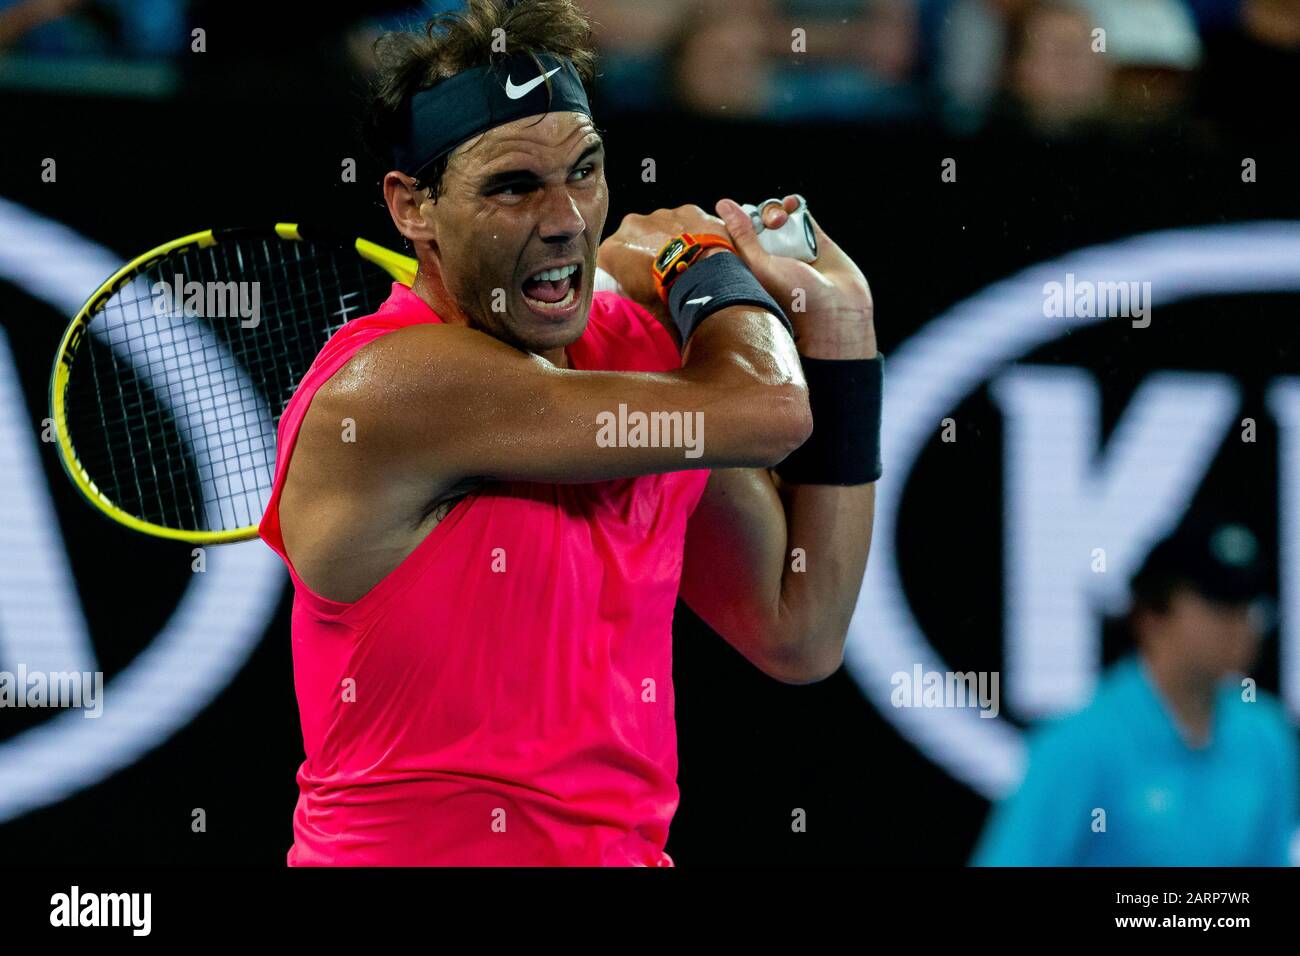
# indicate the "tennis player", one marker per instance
pixel 486 548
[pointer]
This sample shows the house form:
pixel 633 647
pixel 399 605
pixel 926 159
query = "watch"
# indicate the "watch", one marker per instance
pixel 679 253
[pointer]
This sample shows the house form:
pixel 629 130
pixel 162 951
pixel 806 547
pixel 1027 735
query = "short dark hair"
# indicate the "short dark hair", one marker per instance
pixel 453 42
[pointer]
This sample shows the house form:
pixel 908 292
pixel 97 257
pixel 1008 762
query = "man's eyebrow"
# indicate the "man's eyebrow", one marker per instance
pixel 596 147
pixel 508 176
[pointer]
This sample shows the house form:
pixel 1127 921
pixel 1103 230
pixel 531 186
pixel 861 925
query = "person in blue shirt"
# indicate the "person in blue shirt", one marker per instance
pixel 1178 760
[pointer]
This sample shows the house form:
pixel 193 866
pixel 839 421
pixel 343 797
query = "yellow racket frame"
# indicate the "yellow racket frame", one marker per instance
pixel 400 267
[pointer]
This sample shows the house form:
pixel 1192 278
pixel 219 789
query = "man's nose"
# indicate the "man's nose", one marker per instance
pixel 561 219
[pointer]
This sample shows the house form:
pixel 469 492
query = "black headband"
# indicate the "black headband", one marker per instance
pixel 475 100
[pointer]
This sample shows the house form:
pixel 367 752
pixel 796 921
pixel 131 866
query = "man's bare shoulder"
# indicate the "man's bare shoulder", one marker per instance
pixel 351 509
pixel 388 360
pixel 403 395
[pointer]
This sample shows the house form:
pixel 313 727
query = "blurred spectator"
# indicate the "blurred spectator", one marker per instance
pixel 890 40
pixel 971 48
pixel 718 62
pixel 1052 74
pixel 790 62
pixel 1154 49
pixel 855 68
pixel 1054 65
pixel 1174 763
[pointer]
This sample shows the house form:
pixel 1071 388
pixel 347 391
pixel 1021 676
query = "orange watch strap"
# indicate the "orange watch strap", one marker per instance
pixel 709 240
pixel 700 242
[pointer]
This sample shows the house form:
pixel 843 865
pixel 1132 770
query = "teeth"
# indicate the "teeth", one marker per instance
pixel 562 304
pixel 554 275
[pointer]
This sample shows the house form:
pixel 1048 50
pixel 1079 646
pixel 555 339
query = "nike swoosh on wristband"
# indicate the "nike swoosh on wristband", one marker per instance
pixel 515 92
pixel 700 300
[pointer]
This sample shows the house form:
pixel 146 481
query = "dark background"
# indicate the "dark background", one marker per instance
pixel 260 137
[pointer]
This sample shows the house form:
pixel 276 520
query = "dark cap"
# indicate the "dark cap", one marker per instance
pixel 1221 560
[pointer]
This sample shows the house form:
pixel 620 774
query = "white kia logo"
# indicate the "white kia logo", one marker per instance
pixel 1138 492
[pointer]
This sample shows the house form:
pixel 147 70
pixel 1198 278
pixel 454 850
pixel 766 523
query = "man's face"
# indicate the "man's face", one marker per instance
pixel 525 197
pixel 1217 640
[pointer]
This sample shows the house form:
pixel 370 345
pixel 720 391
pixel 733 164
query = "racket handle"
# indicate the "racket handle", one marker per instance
pixel 795 239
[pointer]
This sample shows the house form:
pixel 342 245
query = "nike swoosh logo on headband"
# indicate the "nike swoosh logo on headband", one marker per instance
pixel 515 92
pixel 701 300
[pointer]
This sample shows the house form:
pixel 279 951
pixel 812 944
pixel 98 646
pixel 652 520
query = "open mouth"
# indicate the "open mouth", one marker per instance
pixel 554 290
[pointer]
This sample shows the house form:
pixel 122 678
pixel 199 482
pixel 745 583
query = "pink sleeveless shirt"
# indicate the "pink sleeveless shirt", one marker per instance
pixel 504 696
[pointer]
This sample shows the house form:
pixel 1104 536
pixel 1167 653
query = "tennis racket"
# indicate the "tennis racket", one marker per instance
pixel 170 381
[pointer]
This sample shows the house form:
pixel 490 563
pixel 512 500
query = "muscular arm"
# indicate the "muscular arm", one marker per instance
pixel 433 404
pixel 741 579
pixel 776 568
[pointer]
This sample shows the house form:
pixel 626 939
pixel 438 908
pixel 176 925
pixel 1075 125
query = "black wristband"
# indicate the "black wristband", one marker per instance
pixel 846 400
pixel 714 283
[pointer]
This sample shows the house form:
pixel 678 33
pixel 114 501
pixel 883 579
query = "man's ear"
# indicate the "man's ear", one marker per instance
pixel 406 206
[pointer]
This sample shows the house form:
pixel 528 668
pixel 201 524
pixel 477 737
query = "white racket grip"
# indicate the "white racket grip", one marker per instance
pixel 794 240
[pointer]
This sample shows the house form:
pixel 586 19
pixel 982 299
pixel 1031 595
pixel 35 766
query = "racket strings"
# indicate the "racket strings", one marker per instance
pixel 174 414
